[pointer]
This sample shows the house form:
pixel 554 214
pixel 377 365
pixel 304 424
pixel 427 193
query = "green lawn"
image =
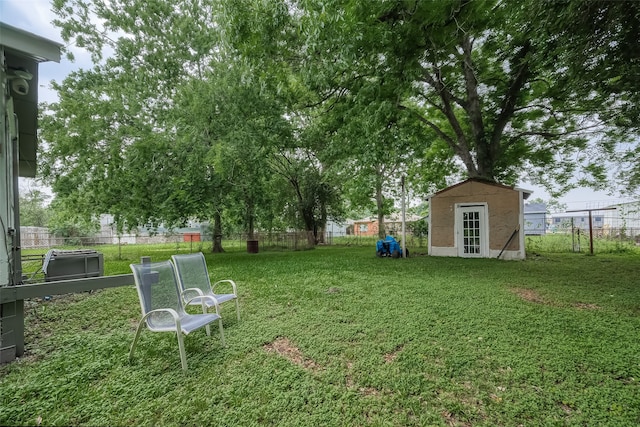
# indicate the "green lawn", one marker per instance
pixel 338 337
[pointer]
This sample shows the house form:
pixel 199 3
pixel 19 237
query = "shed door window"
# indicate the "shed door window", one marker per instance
pixel 472 231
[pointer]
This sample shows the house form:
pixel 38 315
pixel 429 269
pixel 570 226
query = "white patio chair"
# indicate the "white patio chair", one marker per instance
pixel 162 305
pixel 193 277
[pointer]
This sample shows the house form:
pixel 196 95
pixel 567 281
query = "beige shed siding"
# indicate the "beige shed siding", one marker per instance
pixel 504 212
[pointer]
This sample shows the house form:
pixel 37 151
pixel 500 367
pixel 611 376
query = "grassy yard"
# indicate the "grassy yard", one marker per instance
pixel 338 337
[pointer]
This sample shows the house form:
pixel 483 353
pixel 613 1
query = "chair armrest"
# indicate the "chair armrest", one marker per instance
pixel 203 297
pixel 186 299
pixel 171 311
pixel 233 285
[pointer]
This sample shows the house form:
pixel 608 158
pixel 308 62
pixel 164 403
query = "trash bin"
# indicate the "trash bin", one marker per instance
pixel 191 237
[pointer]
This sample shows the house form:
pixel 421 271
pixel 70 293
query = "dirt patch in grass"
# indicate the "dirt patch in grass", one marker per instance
pixel 566 409
pixel 369 391
pixel 365 391
pixel 285 348
pixel 530 295
pixel 452 421
pixel 390 357
pixel 586 306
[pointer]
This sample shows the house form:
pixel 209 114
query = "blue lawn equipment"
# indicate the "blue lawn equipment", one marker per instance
pixel 389 247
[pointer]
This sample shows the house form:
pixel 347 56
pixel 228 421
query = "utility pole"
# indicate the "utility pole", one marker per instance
pixel 404 231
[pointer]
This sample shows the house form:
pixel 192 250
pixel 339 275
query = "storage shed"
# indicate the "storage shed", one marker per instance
pixel 477 219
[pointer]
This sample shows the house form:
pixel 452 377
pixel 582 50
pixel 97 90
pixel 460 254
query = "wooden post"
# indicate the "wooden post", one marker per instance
pixel 590 234
pixel 404 231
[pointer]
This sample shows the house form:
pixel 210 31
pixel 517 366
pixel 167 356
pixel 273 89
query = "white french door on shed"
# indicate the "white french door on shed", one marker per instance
pixel 472 230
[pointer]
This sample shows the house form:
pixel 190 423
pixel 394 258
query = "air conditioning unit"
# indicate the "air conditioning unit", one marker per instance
pixel 72 264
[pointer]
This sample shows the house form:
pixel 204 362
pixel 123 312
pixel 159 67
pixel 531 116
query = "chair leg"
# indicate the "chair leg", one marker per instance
pixel 183 355
pixel 237 309
pixel 204 310
pixel 221 332
pixel 135 340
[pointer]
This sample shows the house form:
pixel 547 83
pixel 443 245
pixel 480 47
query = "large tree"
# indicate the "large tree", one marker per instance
pixel 470 71
pixel 123 139
pixel 172 125
pixel 378 147
pixel 101 152
pixel 341 139
pixel 483 76
pixel 230 124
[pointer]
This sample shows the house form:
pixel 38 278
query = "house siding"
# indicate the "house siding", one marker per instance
pixel 369 228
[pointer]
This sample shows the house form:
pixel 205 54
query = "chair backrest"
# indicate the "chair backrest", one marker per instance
pixel 192 271
pixel 157 288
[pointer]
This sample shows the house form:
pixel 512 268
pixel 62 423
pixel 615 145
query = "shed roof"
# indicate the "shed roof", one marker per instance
pixel 526 193
pixel 535 208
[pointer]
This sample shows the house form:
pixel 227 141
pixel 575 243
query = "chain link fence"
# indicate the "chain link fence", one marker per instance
pixel 563 238
pixel 578 239
pixel 40 238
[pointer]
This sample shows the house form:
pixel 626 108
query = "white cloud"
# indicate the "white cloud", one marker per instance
pixel 34 16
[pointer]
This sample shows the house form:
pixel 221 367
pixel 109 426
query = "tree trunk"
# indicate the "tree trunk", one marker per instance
pixel 320 235
pixel 306 211
pixel 311 239
pixel 250 221
pixel 322 225
pixel 217 233
pixel 309 223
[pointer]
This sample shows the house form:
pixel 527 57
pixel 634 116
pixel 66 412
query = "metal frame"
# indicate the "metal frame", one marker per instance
pixel 12 306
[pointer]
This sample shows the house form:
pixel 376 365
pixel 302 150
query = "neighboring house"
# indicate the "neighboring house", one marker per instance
pixel 392 223
pixel 365 227
pixel 618 220
pixel 341 228
pixel 624 220
pixel 193 231
pixel 477 219
pixel 568 220
pixel 535 219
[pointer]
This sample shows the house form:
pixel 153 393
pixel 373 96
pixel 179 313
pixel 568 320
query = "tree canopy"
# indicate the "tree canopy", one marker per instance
pixel 486 78
pixel 283 113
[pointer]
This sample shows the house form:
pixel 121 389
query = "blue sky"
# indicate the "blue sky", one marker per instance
pixel 35 16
